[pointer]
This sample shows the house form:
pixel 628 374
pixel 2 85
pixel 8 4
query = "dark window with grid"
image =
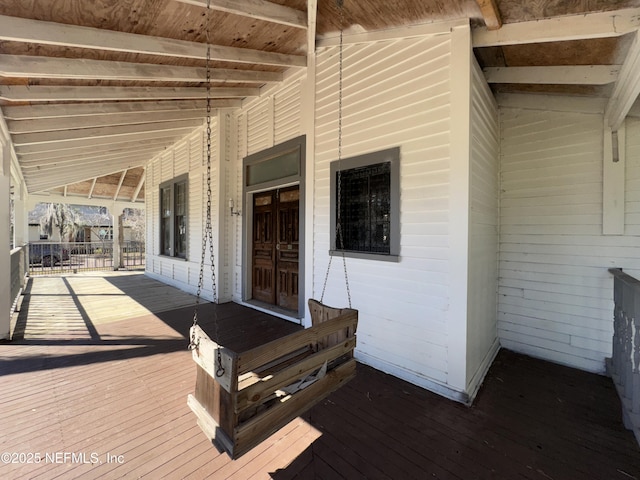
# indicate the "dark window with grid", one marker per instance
pixel 365 199
pixel 173 218
pixel 365 208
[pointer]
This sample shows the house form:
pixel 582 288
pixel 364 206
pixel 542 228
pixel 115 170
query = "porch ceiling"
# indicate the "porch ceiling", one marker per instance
pixel 89 94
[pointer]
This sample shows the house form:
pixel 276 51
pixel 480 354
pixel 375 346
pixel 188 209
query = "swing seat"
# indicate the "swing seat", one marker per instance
pixel 264 388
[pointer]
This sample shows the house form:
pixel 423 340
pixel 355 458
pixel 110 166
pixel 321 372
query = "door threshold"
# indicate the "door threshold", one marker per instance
pixel 274 310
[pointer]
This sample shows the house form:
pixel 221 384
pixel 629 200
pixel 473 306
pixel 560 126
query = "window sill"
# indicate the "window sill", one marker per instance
pixel 383 257
pixel 172 258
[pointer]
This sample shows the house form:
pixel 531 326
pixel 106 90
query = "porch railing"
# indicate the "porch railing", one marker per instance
pixel 133 254
pixel 624 364
pixel 19 270
pixel 47 258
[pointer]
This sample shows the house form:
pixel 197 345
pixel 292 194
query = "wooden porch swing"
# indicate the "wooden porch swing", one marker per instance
pixel 241 398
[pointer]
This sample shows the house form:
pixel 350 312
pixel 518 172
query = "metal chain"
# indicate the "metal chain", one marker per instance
pixel 339 238
pixel 208 232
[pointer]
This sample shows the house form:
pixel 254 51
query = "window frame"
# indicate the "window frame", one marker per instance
pixel 392 156
pixel 171 186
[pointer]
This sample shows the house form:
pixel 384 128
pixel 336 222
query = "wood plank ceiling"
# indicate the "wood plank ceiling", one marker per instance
pixel 90 91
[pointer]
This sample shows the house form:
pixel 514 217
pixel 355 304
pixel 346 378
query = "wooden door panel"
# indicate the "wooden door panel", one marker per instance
pixel 276 247
pixel 263 251
pixel 288 247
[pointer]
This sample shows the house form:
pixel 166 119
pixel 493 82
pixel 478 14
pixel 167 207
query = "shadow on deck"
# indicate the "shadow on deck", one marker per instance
pixel 97 387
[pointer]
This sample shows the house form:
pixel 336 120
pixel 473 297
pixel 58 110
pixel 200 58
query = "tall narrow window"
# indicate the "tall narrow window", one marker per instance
pixel 165 220
pixel 365 204
pixel 173 217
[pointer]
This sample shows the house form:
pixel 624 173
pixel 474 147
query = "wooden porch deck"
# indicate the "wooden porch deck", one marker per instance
pixel 97 387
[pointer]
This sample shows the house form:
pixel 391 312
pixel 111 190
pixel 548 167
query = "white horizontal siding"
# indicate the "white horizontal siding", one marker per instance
pixel 395 93
pixel 181 158
pixel 287 112
pixel 153 211
pixel 197 148
pixel 554 289
pixel 151 207
pixel 166 165
pixel 157 172
pixel 483 230
pixel 260 126
pixel 197 205
pixel 185 156
pixel 632 183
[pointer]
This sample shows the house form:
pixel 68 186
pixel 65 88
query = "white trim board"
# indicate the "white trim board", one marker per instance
pixel 413 377
pixel 424 29
pixel 552 103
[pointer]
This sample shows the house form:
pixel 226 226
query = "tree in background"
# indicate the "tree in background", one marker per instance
pixel 61 217
pixel 134 218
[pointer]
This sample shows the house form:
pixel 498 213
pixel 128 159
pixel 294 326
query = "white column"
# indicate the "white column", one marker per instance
pixel 120 240
pixel 226 223
pixel 308 121
pixel 21 216
pixel 5 253
pixel 115 214
pixel 459 184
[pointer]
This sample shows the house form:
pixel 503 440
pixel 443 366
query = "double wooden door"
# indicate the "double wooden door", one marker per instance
pixel 276 247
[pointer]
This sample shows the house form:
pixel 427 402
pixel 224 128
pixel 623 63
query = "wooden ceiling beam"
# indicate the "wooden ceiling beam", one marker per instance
pixel 24 30
pixel 104 154
pixel 29 112
pixel 136 192
pixel 85 165
pixel 101 149
pixel 161 137
pixel 627 88
pixel 52 178
pixel 124 173
pixel 554 75
pixel 490 13
pixel 23 139
pixel 55 124
pixel 93 186
pixel 312 20
pixel 20 93
pixel 73 68
pixel 258 9
pixel 573 27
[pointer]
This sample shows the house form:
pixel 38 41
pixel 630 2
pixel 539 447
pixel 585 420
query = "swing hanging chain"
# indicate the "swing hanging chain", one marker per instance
pixel 339 238
pixel 208 233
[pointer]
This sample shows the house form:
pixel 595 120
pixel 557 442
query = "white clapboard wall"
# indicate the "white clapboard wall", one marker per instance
pixel 268 120
pixel 187 156
pixel 555 294
pixel 482 335
pixel 395 93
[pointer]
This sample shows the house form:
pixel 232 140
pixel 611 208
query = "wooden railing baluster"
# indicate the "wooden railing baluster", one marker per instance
pixel 624 364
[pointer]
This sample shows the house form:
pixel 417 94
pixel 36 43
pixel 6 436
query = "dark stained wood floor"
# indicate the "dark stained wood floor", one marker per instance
pixel 116 388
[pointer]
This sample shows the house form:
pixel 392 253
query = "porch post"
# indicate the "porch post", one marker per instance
pixel 5 252
pixel 21 216
pixel 116 216
pixel 459 206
